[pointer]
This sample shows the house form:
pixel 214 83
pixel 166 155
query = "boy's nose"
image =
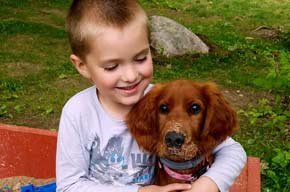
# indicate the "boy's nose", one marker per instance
pixel 130 74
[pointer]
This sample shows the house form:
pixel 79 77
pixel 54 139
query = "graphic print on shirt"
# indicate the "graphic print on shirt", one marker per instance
pixel 110 166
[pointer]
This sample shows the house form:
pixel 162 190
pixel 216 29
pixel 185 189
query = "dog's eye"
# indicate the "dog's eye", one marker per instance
pixel 163 108
pixel 194 108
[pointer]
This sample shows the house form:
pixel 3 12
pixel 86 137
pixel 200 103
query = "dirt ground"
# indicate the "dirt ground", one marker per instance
pixel 242 99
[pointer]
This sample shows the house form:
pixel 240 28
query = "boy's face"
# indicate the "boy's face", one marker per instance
pixel 119 64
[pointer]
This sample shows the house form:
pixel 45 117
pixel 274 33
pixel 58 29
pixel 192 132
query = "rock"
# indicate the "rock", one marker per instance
pixel 170 38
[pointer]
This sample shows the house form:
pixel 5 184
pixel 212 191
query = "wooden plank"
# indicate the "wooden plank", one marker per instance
pixel 249 180
pixel 254 176
pixel 27 152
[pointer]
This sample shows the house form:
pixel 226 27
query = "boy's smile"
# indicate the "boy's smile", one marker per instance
pixel 120 65
pixel 130 89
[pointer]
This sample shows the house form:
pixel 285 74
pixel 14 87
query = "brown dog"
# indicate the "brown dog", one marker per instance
pixel 182 122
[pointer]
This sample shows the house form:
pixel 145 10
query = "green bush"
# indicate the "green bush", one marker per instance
pixel 271 122
pixel 278 171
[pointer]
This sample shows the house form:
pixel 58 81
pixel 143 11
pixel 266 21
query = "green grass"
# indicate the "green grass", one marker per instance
pixel 36 77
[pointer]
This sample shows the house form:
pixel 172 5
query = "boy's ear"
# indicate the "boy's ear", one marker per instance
pixel 80 66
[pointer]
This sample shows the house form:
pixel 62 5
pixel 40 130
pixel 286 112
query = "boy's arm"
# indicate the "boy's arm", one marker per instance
pixel 230 159
pixel 72 162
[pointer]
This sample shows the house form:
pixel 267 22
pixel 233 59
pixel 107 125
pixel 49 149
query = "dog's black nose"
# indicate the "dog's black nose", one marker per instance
pixel 174 139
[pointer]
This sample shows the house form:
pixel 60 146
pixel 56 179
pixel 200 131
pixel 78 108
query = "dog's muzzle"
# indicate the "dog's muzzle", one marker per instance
pixel 174 139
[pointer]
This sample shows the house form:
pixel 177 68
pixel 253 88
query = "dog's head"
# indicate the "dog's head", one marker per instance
pixel 181 119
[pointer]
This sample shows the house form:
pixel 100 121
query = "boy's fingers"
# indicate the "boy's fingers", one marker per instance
pixel 177 186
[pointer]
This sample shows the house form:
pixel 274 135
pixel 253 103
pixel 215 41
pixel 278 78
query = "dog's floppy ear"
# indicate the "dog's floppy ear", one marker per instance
pixel 221 119
pixel 142 120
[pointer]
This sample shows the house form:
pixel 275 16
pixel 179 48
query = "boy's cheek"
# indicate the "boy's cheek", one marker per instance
pixel 149 68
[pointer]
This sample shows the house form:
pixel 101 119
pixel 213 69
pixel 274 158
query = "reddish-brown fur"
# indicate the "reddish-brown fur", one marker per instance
pixel 202 131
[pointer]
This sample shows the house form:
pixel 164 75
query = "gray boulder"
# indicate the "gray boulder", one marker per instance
pixel 170 38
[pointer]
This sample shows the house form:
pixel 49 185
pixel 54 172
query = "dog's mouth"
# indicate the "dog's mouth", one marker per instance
pixel 184 153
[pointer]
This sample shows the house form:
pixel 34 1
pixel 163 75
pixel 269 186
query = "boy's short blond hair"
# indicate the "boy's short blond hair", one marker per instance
pixel 88 17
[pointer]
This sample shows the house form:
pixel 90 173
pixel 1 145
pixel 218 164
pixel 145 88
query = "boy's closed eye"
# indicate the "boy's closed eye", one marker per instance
pixel 114 66
pixel 142 56
pixel 141 59
pixel 111 67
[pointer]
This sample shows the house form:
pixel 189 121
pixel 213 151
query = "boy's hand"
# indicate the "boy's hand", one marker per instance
pixel 203 184
pixel 166 188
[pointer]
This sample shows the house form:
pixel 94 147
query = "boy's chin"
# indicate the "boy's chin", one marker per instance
pixel 131 100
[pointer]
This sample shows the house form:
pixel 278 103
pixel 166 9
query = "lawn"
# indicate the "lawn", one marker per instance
pixel 249 59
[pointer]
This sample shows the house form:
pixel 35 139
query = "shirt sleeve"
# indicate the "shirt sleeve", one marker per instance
pixel 72 162
pixel 230 159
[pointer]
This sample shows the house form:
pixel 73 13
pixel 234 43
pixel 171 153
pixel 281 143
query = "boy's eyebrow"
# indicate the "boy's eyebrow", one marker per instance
pixel 144 51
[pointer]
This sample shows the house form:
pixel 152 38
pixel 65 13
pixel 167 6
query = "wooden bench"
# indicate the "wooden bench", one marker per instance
pixel 31 152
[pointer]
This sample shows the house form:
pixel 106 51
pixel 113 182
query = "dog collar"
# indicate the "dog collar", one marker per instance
pixel 169 165
pixel 182 165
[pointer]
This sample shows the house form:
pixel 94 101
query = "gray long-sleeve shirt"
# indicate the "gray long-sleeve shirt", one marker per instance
pixel 97 153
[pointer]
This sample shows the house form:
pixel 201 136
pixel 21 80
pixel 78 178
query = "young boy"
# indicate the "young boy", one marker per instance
pixel 95 151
